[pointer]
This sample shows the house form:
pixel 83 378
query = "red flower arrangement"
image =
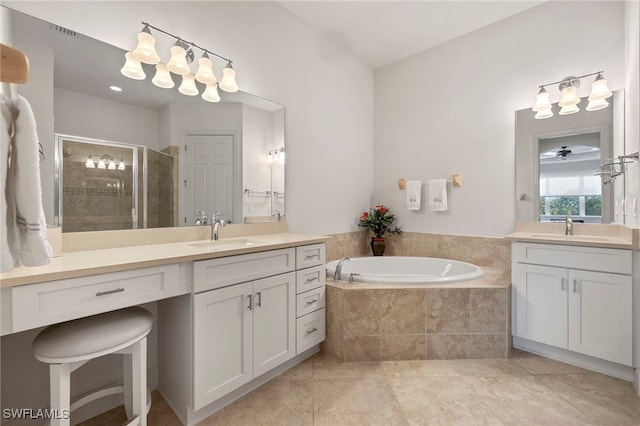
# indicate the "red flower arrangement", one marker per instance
pixel 379 220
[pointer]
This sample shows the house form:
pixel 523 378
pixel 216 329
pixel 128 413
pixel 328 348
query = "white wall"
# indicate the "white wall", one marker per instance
pixel 79 114
pixel 451 109
pixel 632 105
pixel 327 94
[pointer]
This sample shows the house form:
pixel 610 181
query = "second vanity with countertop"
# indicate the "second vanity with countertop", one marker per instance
pixel 231 314
pixel 572 295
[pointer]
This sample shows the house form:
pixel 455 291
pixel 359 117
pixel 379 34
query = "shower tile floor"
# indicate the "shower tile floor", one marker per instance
pixel 524 390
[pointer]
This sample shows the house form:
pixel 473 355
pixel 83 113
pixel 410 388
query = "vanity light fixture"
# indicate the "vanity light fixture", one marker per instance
pixel 569 99
pixel 90 164
pixel 182 54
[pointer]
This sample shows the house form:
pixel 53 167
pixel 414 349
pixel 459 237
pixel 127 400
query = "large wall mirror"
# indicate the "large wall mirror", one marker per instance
pixel 142 156
pixel 557 161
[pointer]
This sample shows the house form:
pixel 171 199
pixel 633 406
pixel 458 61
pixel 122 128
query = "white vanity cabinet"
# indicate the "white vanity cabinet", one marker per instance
pixel 243 329
pixel 574 298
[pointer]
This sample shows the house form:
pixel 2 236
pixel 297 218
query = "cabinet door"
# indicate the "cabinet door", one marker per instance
pixel 222 342
pixel 600 307
pixel 274 321
pixel 541 303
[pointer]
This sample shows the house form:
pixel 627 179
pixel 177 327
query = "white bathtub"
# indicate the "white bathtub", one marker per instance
pixel 405 270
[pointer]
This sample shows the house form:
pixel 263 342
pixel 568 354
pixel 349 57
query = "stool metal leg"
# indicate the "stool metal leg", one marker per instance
pixel 60 387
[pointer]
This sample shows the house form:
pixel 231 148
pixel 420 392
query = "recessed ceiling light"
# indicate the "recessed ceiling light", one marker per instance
pixel 115 88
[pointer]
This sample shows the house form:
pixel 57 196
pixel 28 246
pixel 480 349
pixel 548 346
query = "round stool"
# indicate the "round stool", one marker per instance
pixel 69 345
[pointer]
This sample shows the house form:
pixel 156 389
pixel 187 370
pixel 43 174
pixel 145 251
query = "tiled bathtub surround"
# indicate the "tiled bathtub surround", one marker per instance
pixel 481 251
pixel 367 322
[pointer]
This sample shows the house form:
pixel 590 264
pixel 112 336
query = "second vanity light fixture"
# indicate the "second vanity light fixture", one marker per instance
pixel 569 99
pixel 181 56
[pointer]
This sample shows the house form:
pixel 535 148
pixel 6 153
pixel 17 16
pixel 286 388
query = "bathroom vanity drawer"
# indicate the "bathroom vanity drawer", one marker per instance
pixel 310 278
pixel 225 271
pixel 577 257
pixel 310 330
pixel 310 301
pixel 36 305
pixel 311 255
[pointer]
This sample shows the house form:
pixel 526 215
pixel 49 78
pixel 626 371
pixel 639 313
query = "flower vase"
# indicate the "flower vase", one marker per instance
pixel 377 246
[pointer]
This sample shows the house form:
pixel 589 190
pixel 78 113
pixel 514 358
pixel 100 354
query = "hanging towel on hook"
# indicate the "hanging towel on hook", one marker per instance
pixel 414 192
pixel 23 229
pixel 438 195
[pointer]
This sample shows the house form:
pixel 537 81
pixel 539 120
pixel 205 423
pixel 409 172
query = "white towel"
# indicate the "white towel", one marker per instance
pixel 414 191
pixel 438 195
pixel 26 228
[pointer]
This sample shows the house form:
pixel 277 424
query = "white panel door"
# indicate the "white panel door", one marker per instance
pixel 209 176
pixel 222 341
pixel 541 303
pixel 600 311
pixel 274 321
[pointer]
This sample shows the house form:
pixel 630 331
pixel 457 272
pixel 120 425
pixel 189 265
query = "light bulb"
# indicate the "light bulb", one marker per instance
pixel 132 68
pixel 599 89
pixel 188 86
pixel 542 100
pixel 178 62
pixel 162 78
pixel 210 93
pixel 90 164
pixel 205 70
pixel 145 51
pixel 597 104
pixel 228 83
pixel 569 97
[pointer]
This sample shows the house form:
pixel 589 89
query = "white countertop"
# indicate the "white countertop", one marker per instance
pixel 99 261
pixel 587 235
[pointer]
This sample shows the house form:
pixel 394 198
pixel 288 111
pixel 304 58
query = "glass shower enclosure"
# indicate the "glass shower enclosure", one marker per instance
pixel 103 185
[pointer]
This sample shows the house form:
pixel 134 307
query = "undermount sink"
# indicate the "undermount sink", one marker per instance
pixel 572 237
pixel 225 244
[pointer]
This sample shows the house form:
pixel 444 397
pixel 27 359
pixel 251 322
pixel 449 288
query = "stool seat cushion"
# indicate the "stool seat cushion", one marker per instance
pixel 92 337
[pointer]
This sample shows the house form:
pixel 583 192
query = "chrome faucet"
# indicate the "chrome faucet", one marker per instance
pixel 216 223
pixel 338 272
pixel 277 215
pixel 568 230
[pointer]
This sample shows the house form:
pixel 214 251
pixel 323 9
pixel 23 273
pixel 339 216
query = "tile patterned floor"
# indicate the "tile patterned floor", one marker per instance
pixel 524 390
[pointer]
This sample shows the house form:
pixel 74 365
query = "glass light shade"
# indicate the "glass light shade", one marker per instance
pixel 188 86
pixel 270 157
pixel 228 83
pixel 132 68
pixel 205 71
pixel 90 164
pixel 162 78
pixel 121 165
pixel 597 104
pixel 178 62
pixel 569 97
pixel 544 113
pixel 542 100
pixel 112 165
pixel 569 109
pixel 210 94
pixel 281 156
pixel 101 164
pixel 145 51
pixel 599 89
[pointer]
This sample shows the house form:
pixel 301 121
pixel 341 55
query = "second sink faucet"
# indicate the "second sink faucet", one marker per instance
pixel 568 230
pixel 216 223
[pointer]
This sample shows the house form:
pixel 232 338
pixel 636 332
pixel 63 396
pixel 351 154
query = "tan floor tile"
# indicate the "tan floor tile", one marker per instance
pixel 441 401
pixel 522 400
pixel 603 399
pixel 488 367
pixel 355 402
pixel 276 403
pixel 535 364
